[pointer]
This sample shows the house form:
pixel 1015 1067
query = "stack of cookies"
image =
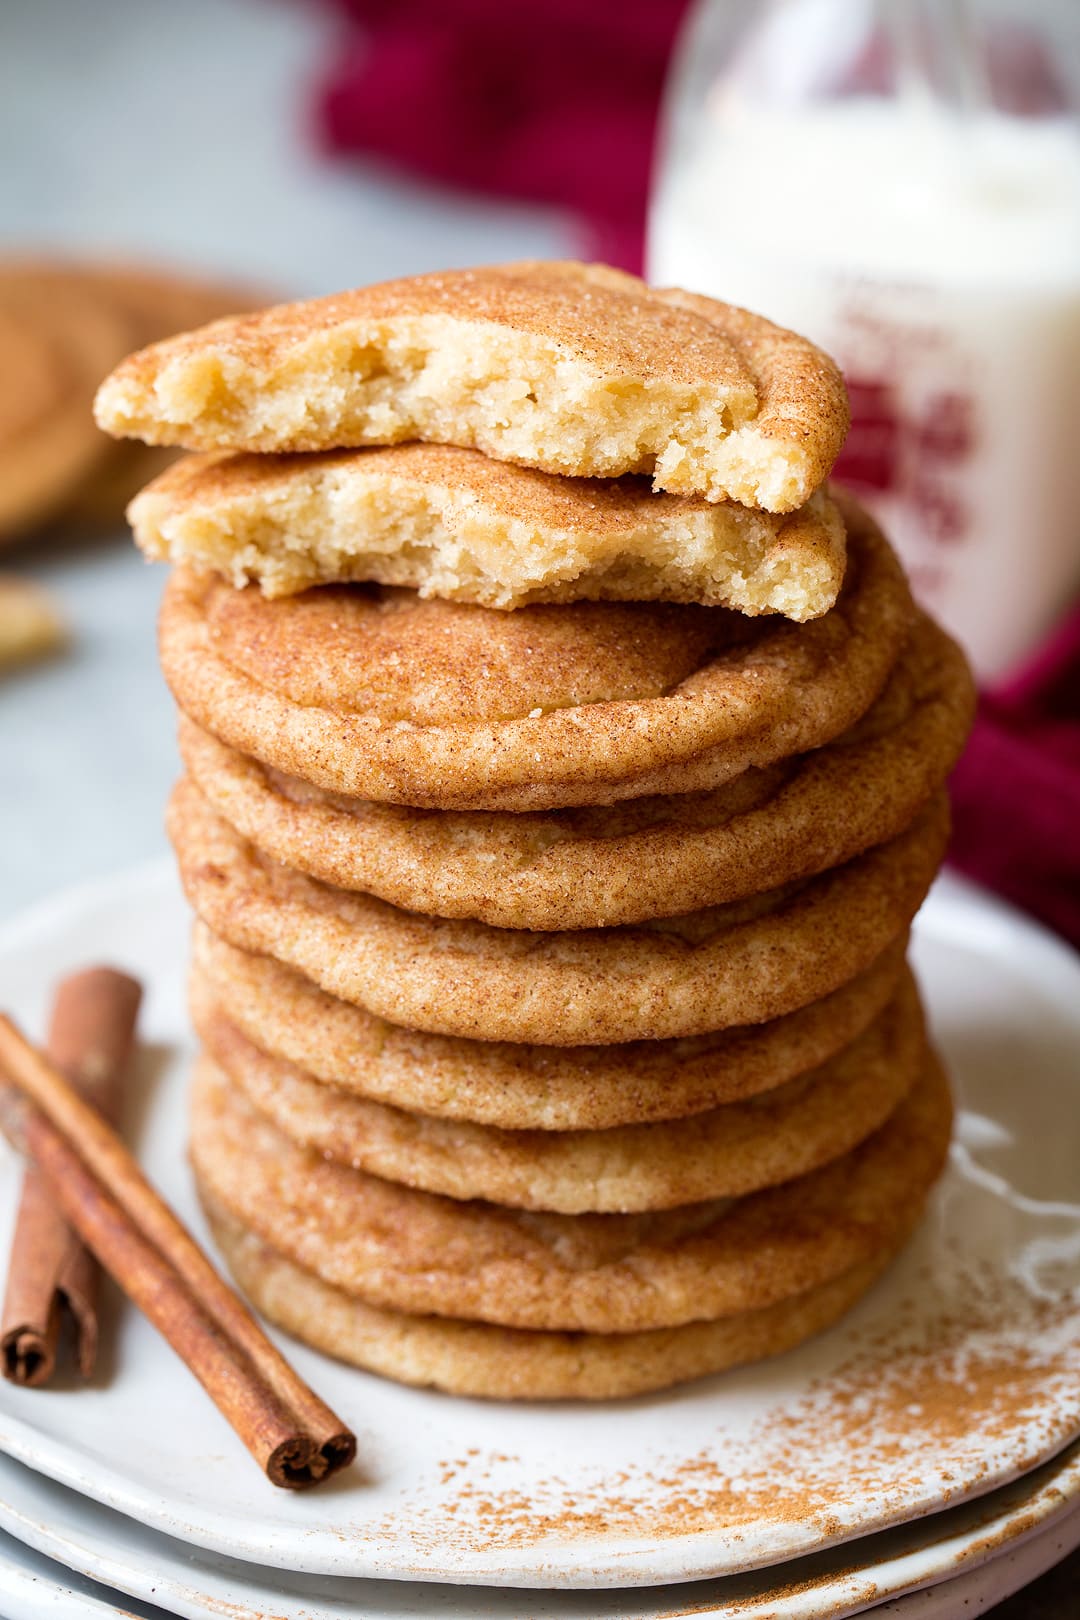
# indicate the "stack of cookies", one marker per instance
pixel 553 839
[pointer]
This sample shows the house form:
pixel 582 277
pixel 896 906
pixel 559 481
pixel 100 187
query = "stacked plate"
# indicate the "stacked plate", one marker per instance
pixel 922 1455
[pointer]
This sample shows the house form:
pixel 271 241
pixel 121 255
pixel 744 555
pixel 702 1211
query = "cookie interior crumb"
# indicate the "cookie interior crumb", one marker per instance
pixel 573 369
pixel 454 524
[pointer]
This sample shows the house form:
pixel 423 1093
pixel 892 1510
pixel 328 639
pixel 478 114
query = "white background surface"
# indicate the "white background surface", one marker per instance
pixel 182 133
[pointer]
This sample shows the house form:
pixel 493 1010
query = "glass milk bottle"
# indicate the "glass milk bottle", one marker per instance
pixel 900 180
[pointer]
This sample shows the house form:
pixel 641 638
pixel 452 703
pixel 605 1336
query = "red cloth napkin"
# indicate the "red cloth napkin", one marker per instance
pixel 556 101
pixel 553 101
pixel 1016 792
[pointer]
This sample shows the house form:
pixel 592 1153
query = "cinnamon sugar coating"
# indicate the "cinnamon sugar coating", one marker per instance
pixel 377 694
pixel 497 1363
pixel 528 1087
pixel 724 1153
pixel 402 1249
pixel 743 963
pixel 575 369
pixel 600 866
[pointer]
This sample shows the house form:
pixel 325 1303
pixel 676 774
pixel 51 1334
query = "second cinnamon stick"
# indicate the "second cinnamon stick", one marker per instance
pixel 51 1274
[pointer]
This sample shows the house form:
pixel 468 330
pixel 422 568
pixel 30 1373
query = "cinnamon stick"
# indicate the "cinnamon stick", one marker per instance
pixel 296 1439
pixel 51 1272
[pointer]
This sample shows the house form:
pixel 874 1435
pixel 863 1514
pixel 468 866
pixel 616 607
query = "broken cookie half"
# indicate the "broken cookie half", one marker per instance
pixel 454 524
pixel 568 368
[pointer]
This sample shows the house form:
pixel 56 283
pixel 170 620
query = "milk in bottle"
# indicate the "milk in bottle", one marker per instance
pixel 930 241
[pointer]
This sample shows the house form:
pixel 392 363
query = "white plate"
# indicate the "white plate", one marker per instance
pixel 1012 1533
pixel 984 1588
pixel 959 1372
pixel 36 1588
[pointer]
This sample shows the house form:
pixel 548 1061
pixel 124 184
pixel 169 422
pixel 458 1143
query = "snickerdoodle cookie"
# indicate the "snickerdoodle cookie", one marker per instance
pixel 414 1251
pixel 454 524
pixel 727 1152
pixel 375 693
pixel 742 963
pixel 522 1087
pixel 498 1363
pixel 575 369
pixel 598 866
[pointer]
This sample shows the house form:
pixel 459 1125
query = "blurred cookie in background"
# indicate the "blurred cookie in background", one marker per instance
pixel 57 335
pixel 63 325
pixel 99 502
pixel 30 626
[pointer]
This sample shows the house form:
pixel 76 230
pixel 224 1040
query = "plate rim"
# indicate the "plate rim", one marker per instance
pixel 982 1545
